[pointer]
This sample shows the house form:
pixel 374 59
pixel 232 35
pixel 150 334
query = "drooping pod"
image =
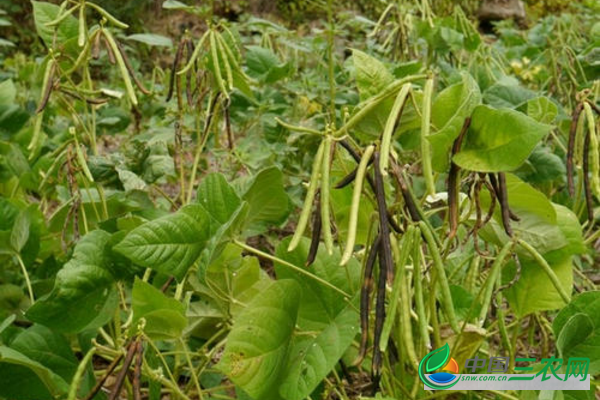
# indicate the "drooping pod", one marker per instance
pixel 122 67
pixel 488 288
pixel 353 218
pixel 453 181
pixel 308 200
pixel 594 151
pixel 425 127
pixel 571 147
pixel 446 297
pixel 390 125
pixel 325 209
pixel 418 288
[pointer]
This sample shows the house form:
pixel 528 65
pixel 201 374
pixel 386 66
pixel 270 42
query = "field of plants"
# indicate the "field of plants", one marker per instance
pixel 209 201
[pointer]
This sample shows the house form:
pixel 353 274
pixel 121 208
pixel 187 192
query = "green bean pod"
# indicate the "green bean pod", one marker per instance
pixel 418 285
pixel 215 63
pixel 108 16
pixel 425 127
pixel 488 288
pixel 82 26
pixel 325 210
pixel 442 278
pixel 37 128
pixel 594 149
pixel 353 221
pixel 386 139
pixel 78 376
pixel 308 200
pixel 62 15
pixel 122 67
pixel 195 54
pixel 221 50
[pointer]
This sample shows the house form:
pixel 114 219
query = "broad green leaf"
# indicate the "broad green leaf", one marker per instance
pixel 217 197
pixel 264 65
pixel 170 244
pixel 24 379
pixel 20 231
pixel 257 347
pixel 448 113
pixel 542 166
pixel 499 140
pixel 534 291
pixel 542 109
pixel 50 349
pixel 43 13
pixel 503 95
pixel 538 223
pixel 8 92
pixel 577 329
pixel 151 39
pixel 83 296
pixel 130 180
pixel 371 75
pixel 438 359
pixel 331 318
pixel 268 203
pixel 164 316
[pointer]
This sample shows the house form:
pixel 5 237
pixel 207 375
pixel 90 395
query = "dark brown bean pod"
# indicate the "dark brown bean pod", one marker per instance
pixel 453 181
pixel 167 283
pixel 111 55
pixel 408 200
pixel 503 198
pixel 189 74
pixel 176 61
pixel 47 89
pixel 379 314
pixel 496 187
pixel 345 181
pixel 104 377
pixel 137 372
pixel 114 394
pixel 230 141
pixel 493 201
pixel 571 147
pixel 365 297
pixel 96 46
pixel 586 180
pixel 316 231
pixel 132 73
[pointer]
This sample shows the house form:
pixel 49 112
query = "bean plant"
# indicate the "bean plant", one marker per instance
pixel 246 210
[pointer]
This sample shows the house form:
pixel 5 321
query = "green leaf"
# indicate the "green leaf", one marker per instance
pixel 50 349
pixel 534 291
pixel 20 231
pixel 371 75
pixel 170 244
pixel 577 329
pixel 542 166
pixel 264 65
pixel 43 13
pixel 164 316
pixel 8 92
pixel 499 140
pixel 217 197
pixel 448 113
pixel 331 319
pixel 83 296
pixel 503 95
pixel 542 109
pixel 268 203
pixel 438 359
pixel 151 39
pixel 24 379
pixel 257 347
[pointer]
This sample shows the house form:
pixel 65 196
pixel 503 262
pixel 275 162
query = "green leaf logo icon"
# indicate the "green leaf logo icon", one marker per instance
pixel 438 358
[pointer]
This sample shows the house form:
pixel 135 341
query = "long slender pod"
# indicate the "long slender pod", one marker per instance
pixel 390 125
pixel 488 289
pixel 316 232
pixel 122 67
pixel 434 250
pixel 453 181
pixel 325 209
pixel 594 149
pixel 365 298
pixel 195 54
pixel 425 127
pixel 215 63
pixel 308 201
pixel 418 287
pixel 176 61
pixel 77 378
pixel 503 199
pixel 571 147
pixel 353 220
